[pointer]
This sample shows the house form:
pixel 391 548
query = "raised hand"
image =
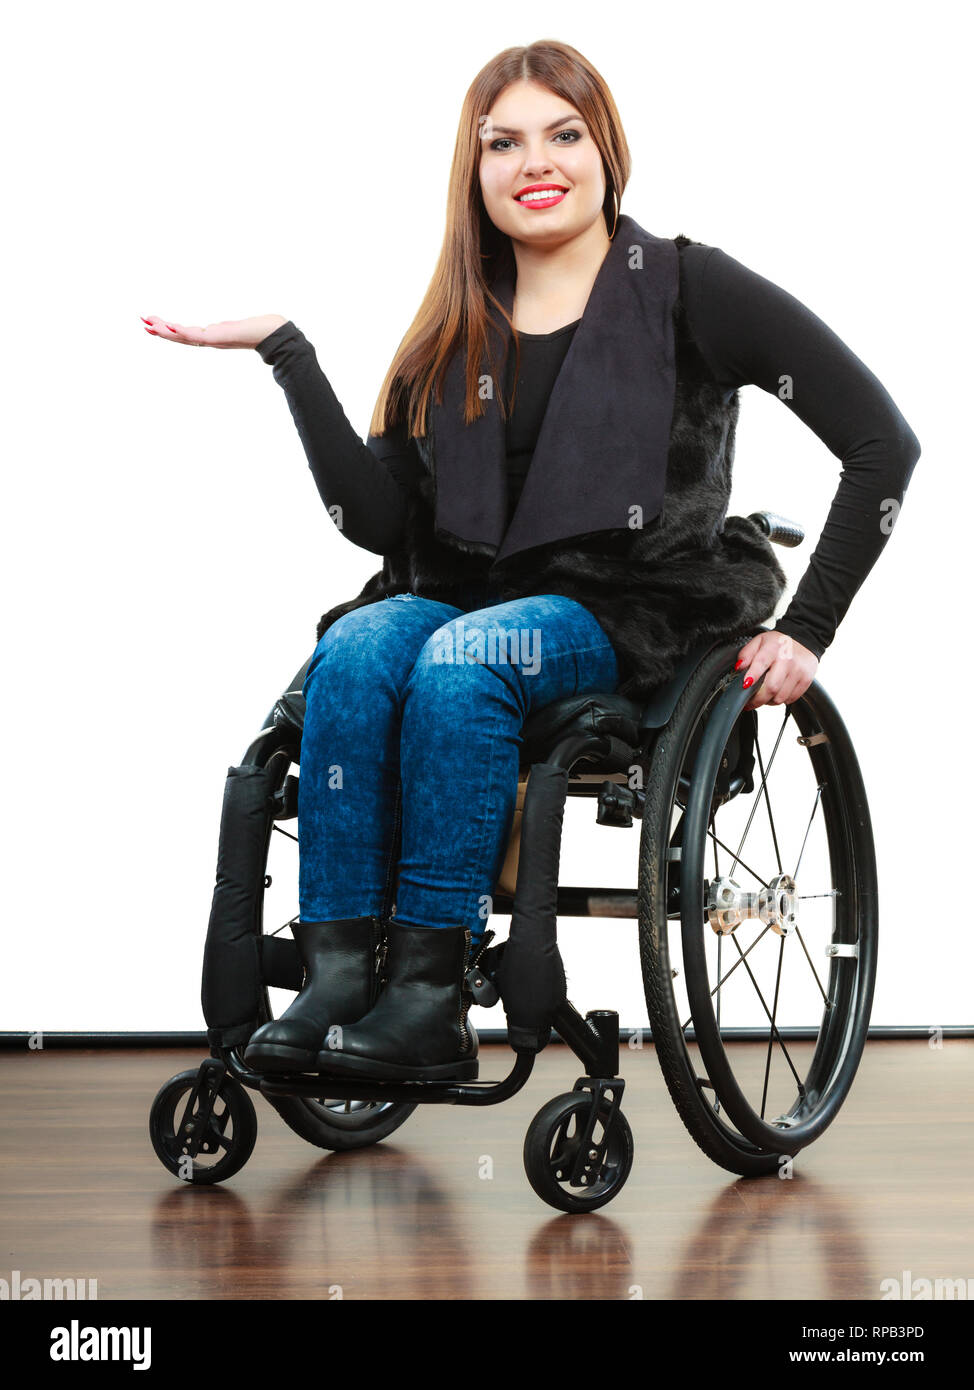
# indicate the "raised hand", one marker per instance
pixel 231 333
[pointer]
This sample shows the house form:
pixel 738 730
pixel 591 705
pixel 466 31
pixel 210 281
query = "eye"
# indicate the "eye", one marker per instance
pixel 575 135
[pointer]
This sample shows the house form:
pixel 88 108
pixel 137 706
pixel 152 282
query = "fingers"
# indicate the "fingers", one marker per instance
pixel 159 328
pixel 771 654
pixel 175 332
pixel 749 665
pixel 181 334
pixel 762 695
pixel 778 676
pixel 748 652
pixel 781 685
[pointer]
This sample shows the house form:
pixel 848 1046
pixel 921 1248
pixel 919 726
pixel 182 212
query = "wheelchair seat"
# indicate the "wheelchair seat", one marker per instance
pixel 592 713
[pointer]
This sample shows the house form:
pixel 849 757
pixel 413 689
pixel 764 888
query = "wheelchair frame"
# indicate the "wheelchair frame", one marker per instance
pixel 578 1151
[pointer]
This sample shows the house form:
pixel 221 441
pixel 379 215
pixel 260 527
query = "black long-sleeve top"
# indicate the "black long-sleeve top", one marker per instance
pixel 750 332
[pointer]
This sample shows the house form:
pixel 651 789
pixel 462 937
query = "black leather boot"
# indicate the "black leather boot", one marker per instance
pixel 418 1029
pixel 340 986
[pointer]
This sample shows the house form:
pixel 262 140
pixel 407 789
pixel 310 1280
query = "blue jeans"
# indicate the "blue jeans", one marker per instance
pixel 414 710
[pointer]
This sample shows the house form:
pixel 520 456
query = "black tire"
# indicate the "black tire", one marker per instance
pixel 550 1146
pixel 232 1128
pixel 338 1124
pixel 327 1123
pixel 709 734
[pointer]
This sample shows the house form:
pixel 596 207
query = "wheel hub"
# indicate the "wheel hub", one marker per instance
pixel 728 905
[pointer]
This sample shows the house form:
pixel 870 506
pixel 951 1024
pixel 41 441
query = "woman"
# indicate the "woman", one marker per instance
pixel 504 586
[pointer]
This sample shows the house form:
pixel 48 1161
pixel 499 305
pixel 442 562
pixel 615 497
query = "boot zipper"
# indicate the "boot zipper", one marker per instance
pixel 381 951
pixel 485 941
pixel 482 990
pixel 464 1003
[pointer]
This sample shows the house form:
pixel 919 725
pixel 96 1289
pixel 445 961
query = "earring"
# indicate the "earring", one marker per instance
pixel 616 222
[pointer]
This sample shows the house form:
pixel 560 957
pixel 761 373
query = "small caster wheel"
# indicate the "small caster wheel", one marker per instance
pixel 551 1147
pixel 228 1137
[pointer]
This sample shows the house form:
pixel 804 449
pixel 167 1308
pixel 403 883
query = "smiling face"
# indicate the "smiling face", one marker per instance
pixel 532 137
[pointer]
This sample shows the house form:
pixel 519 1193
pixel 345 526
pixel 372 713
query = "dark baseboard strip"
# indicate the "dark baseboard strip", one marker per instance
pixel 41 1041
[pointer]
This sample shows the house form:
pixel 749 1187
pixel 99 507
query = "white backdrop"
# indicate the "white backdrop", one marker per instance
pixel 166 554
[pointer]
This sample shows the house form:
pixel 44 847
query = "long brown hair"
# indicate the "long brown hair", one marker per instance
pixel 454 310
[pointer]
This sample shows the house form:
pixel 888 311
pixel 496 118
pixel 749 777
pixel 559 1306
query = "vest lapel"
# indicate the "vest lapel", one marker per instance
pixel 605 436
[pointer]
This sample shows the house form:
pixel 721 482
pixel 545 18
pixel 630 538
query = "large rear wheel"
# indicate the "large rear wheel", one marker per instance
pixel 758 916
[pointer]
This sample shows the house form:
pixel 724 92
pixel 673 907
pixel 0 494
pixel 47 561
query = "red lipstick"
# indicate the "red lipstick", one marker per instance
pixel 558 192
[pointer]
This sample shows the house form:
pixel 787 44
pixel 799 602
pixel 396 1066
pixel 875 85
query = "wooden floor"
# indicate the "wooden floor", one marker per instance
pixel 886 1190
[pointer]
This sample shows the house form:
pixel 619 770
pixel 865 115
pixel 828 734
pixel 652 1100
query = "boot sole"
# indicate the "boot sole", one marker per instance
pixel 275 1057
pixel 344 1064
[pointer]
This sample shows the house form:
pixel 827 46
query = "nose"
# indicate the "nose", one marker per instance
pixel 538 163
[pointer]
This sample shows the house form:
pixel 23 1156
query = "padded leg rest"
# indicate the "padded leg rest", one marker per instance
pixel 232 980
pixel 531 975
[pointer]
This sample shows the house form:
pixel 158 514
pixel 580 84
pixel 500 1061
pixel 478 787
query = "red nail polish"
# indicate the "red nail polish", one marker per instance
pixel 144 319
pixel 739 664
pixel 153 332
pixel 749 681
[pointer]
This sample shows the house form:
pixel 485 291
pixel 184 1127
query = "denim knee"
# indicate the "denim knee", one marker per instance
pixel 474 639
pixel 355 647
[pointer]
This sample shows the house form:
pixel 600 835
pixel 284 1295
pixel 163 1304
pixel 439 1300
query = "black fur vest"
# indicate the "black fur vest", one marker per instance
pixel 692 572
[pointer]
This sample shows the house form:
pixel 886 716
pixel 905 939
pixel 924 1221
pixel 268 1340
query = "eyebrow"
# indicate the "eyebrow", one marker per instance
pixel 507 130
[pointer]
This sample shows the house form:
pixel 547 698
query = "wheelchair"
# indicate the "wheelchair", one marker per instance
pixel 757 921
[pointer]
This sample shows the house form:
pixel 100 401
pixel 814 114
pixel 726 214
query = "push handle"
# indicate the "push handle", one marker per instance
pixel 778 528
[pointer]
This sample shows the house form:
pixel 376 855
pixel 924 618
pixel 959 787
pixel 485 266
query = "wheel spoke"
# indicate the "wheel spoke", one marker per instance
pixel 720 938
pixel 289 923
pixel 767 1064
pixel 720 942
pixel 764 787
pixel 741 957
pixel 811 963
pixel 818 798
pixel 774 1029
pixel 731 970
pixel 737 859
pixel 761 788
